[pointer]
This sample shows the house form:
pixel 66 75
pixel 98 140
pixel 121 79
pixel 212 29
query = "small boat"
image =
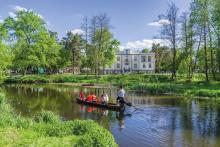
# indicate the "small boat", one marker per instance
pixel 110 106
pixel 89 84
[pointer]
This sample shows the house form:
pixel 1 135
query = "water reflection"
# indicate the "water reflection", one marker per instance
pixel 159 121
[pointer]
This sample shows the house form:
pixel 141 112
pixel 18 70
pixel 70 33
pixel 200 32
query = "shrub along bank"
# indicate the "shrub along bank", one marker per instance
pixel 152 83
pixel 46 129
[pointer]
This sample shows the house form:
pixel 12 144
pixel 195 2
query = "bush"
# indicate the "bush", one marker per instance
pixel 208 93
pixel 96 137
pixel 46 129
pixel 47 117
pixel 2 98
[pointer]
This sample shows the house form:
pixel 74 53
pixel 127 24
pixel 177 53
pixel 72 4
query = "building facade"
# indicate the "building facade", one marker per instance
pixel 130 61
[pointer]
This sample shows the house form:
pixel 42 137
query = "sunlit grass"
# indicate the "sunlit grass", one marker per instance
pixel 152 83
pixel 46 129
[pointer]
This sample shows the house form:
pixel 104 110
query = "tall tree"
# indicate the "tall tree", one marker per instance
pixel 73 43
pixel 187 39
pixel 201 13
pixel 101 42
pixel 215 23
pixel 5 55
pixel 169 32
pixel 33 45
pixel 163 58
pixel 85 28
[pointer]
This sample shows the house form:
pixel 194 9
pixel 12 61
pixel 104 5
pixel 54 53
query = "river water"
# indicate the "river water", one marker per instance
pixel 164 120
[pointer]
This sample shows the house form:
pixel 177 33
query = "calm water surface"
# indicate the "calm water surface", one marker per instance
pixel 164 121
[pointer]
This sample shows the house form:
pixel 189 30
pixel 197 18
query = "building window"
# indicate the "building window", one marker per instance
pixel 126 63
pixel 135 65
pixel 118 65
pixel 126 51
pixel 149 65
pixel 149 58
pixel 118 58
pixel 126 58
pixel 135 58
pixel 143 58
pixel 144 66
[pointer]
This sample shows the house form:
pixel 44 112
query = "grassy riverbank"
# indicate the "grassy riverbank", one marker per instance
pixel 152 83
pixel 46 129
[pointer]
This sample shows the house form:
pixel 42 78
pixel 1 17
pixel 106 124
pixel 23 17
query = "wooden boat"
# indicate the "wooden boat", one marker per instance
pixel 89 84
pixel 110 106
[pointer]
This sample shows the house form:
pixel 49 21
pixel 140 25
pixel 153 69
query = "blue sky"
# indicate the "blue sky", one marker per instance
pixel 130 18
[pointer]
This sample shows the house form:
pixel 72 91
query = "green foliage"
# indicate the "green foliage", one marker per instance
pixel 2 98
pixel 47 117
pixel 27 79
pixel 163 58
pixel 73 48
pixel 196 89
pixel 33 45
pixel 5 57
pixel 145 50
pixel 46 129
pixel 153 83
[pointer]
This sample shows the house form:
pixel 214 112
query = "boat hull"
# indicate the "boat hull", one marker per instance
pixel 110 106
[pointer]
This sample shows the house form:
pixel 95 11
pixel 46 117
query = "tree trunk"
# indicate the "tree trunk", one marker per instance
pixel 211 53
pixel 197 54
pixel 191 54
pixel 205 51
pixel 218 54
pixel 73 61
pixel 174 64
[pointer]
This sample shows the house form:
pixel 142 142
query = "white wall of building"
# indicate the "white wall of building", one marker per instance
pixel 128 61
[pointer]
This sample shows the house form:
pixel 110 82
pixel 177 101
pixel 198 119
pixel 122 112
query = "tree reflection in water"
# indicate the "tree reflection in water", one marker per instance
pixel 164 121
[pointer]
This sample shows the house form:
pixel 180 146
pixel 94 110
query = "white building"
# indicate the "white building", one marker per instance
pixel 130 61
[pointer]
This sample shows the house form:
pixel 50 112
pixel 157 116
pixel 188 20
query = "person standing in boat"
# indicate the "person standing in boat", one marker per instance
pixel 121 95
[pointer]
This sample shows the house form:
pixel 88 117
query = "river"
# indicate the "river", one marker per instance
pixel 163 120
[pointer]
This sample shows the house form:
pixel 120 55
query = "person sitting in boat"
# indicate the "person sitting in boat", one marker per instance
pixel 104 98
pixel 91 97
pixel 82 96
pixel 121 95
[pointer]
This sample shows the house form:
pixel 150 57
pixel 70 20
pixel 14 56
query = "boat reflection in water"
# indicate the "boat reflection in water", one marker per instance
pixel 163 120
pixel 119 115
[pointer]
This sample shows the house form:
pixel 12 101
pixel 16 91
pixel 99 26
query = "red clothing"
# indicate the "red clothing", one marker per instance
pixel 91 98
pixel 94 97
pixel 82 96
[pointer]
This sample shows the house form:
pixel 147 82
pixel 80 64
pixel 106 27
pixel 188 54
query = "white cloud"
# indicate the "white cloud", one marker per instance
pixel 12 14
pixel 159 23
pixel 141 44
pixel 77 31
pixel 1 20
pixel 19 8
pixel 47 23
pixel 39 15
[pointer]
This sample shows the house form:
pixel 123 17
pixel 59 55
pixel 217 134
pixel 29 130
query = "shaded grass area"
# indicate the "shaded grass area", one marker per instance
pixel 152 83
pixel 46 129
